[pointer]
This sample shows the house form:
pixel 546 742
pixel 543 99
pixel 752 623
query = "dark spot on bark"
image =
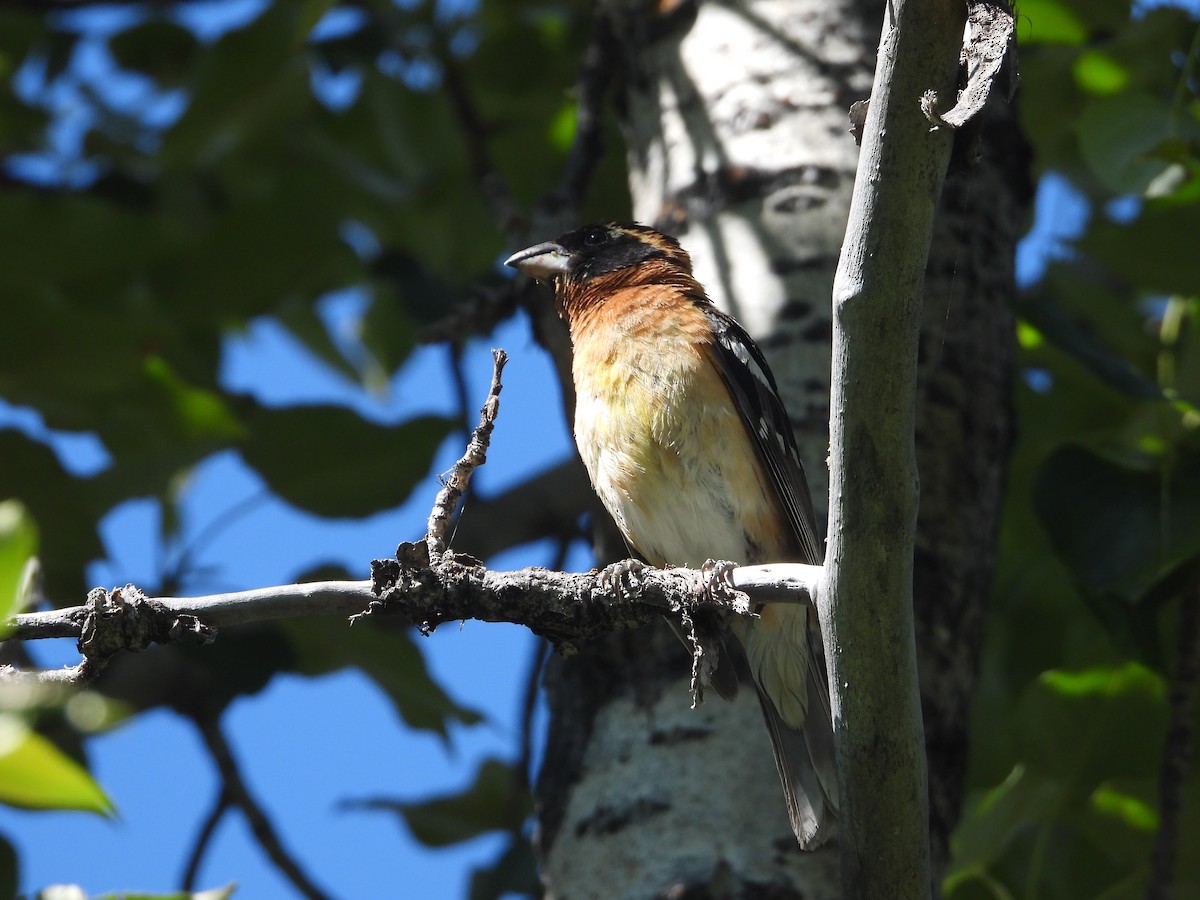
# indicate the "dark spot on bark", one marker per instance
pixel 820 331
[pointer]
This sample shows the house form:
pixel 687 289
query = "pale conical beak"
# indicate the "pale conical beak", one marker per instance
pixel 542 261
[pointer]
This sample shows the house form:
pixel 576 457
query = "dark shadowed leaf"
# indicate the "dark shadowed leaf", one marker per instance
pixel 389 657
pixel 495 802
pixel 1118 136
pixel 9 870
pixel 334 463
pixel 32 474
pixel 515 872
pixel 1042 308
pixel 1118 528
pixel 1085 727
pixel 997 815
pixel 1156 251
pixel 159 48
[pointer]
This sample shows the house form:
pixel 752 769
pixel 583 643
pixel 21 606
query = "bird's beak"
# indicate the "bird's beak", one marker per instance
pixel 542 261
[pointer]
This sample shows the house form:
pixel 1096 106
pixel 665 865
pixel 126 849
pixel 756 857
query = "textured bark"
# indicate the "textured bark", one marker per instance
pixel 736 130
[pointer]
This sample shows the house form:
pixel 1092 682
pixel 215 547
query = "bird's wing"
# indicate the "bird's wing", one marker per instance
pixel 745 373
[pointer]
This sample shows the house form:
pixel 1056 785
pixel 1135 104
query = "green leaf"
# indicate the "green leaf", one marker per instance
pixel 995 817
pixel 18 545
pixel 1119 137
pixel 495 802
pixel 332 462
pixel 1133 812
pixel 34 774
pixel 1049 22
pixel 1098 73
pixel 198 414
pixel 389 657
pixel 515 872
pixel 222 893
pixel 1118 528
pixel 1089 726
pixel 1156 251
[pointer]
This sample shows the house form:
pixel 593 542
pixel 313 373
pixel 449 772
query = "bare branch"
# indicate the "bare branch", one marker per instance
pixel 564 607
pixel 204 838
pixel 548 503
pixel 476 134
pixel 1180 744
pixel 234 788
pixel 456 481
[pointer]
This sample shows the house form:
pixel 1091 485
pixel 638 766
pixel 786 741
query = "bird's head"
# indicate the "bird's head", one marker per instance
pixel 585 263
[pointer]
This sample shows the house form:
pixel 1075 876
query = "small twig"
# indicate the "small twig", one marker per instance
pixel 597 68
pixel 1178 747
pixel 239 795
pixel 207 830
pixel 496 194
pixel 456 480
pixel 76 676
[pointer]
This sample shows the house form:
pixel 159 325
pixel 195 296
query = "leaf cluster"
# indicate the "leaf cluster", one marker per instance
pixel 173 179
pixel 1100 541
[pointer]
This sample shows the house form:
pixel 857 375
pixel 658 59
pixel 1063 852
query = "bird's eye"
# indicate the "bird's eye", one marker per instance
pixel 595 236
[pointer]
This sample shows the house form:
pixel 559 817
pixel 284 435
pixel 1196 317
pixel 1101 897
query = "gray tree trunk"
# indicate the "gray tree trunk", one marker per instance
pixel 736 132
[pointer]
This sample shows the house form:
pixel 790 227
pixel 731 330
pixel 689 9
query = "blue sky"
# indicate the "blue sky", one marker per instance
pixel 155 769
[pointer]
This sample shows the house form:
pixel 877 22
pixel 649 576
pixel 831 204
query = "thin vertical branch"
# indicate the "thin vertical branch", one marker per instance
pixel 458 478
pixel 1178 747
pixel 192 870
pixel 866 601
pixel 239 795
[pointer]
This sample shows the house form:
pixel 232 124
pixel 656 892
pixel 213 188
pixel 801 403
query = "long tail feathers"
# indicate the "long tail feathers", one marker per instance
pixel 805 757
pixel 806 769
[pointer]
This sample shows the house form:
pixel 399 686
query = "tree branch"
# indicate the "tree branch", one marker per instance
pixel 596 71
pixel 866 601
pixel 454 484
pixel 1180 742
pixel 234 788
pixel 476 135
pixel 192 869
pixel 565 607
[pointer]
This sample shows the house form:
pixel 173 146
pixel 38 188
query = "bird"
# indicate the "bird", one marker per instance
pixel 680 426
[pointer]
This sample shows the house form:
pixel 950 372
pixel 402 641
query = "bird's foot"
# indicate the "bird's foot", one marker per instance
pixel 716 583
pixel 620 577
pixel 716 574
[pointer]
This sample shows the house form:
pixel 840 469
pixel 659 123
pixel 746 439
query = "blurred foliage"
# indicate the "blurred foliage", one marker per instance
pixel 498 801
pixel 1101 531
pixel 171 175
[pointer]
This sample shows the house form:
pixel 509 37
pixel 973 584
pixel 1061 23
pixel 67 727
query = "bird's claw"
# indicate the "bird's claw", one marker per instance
pixel 715 574
pixel 613 578
pixel 716 582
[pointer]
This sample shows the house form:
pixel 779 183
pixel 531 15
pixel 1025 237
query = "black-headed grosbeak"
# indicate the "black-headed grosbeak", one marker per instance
pixel 680 425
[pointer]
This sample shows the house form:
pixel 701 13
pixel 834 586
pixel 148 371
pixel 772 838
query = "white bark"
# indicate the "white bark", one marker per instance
pixel 737 142
pixel 735 121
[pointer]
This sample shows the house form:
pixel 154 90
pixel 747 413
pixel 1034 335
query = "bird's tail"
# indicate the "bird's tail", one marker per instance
pixel 802 732
pixel 805 760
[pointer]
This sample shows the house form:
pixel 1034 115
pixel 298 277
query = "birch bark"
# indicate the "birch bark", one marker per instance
pixel 736 134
